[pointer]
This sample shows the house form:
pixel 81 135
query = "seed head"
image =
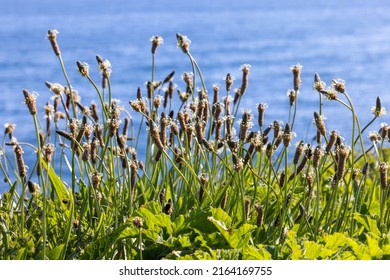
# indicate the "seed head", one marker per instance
pixel 383 167
pixel 52 36
pixel 319 121
pixel 378 110
pixel 33 188
pixel 138 222
pixel 183 43
pixel 83 68
pixel 30 101
pixel 156 41
pixel 339 85
pixel 229 82
pixel 296 70
pixel 318 85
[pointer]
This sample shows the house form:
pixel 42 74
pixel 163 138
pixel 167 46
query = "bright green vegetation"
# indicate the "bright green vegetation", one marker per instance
pixel 202 190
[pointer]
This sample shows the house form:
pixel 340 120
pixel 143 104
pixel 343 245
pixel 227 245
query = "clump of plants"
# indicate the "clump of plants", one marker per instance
pixel 214 182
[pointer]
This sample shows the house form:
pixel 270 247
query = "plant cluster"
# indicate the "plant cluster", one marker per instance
pixel 208 187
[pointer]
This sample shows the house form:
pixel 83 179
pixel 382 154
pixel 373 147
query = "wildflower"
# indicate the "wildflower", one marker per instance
pixel 187 77
pixel 183 43
pixel 378 110
pixel 245 124
pixel 318 85
pixel 383 167
pixel 343 153
pixel 33 188
pixel 260 215
pixel 261 109
pixel 52 36
pixel 330 93
pixel 156 41
pixel 48 151
pixel 138 222
pixel 332 140
pixel 96 179
pixel 296 70
pixel 229 81
pixel 298 151
pixel 317 155
pixel 183 95
pixel 245 68
pixel 9 129
pixel 20 162
pixel 169 78
pixel 83 68
pixel 374 136
pixel 338 85
pixel 292 95
pixel 157 101
pixel 319 122
pixel 105 67
pixel 384 130
pixel 55 88
pixel 287 135
pixel 30 101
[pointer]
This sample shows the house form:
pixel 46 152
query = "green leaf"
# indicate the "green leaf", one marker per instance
pixel 369 224
pixel 312 250
pixel 98 249
pixel 291 242
pixel 373 248
pixel 63 195
pixel 335 240
pixel 55 253
pixel 253 253
pixel 236 238
pixel 360 250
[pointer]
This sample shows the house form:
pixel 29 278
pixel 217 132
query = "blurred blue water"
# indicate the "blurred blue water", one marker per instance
pixel 337 39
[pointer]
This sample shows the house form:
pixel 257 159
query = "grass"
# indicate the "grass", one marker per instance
pixel 208 187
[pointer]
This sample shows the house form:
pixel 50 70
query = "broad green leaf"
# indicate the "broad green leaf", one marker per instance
pixel 335 240
pixel 59 187
pixel 369 224
pixel 253 253
pixel 291 242
pixel 98 249
pixel 373 248
pixel 55 253
pixel 360 250
pixel 312 250
pixel 236 238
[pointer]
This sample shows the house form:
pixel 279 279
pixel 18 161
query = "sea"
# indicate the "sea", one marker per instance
pixel 349 40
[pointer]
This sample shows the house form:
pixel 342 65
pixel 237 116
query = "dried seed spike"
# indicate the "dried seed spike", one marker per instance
pixel 247 207
pixel 183 43
pixel 245 74
pixel 287 135
pixel 83 68
pixel 260 215
pixel 156 41
pixel 52 36
pixel 20 162
pixel 296 70
pixel 383 167
pixel 29 100
pixel 343 153
pixel 169 77
pixel 332 140
pixel 261 109
pixel 168 208
pixel 282 179
pixel 319 123
pixel 317 156
pixel 298 151
pixel 229 82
